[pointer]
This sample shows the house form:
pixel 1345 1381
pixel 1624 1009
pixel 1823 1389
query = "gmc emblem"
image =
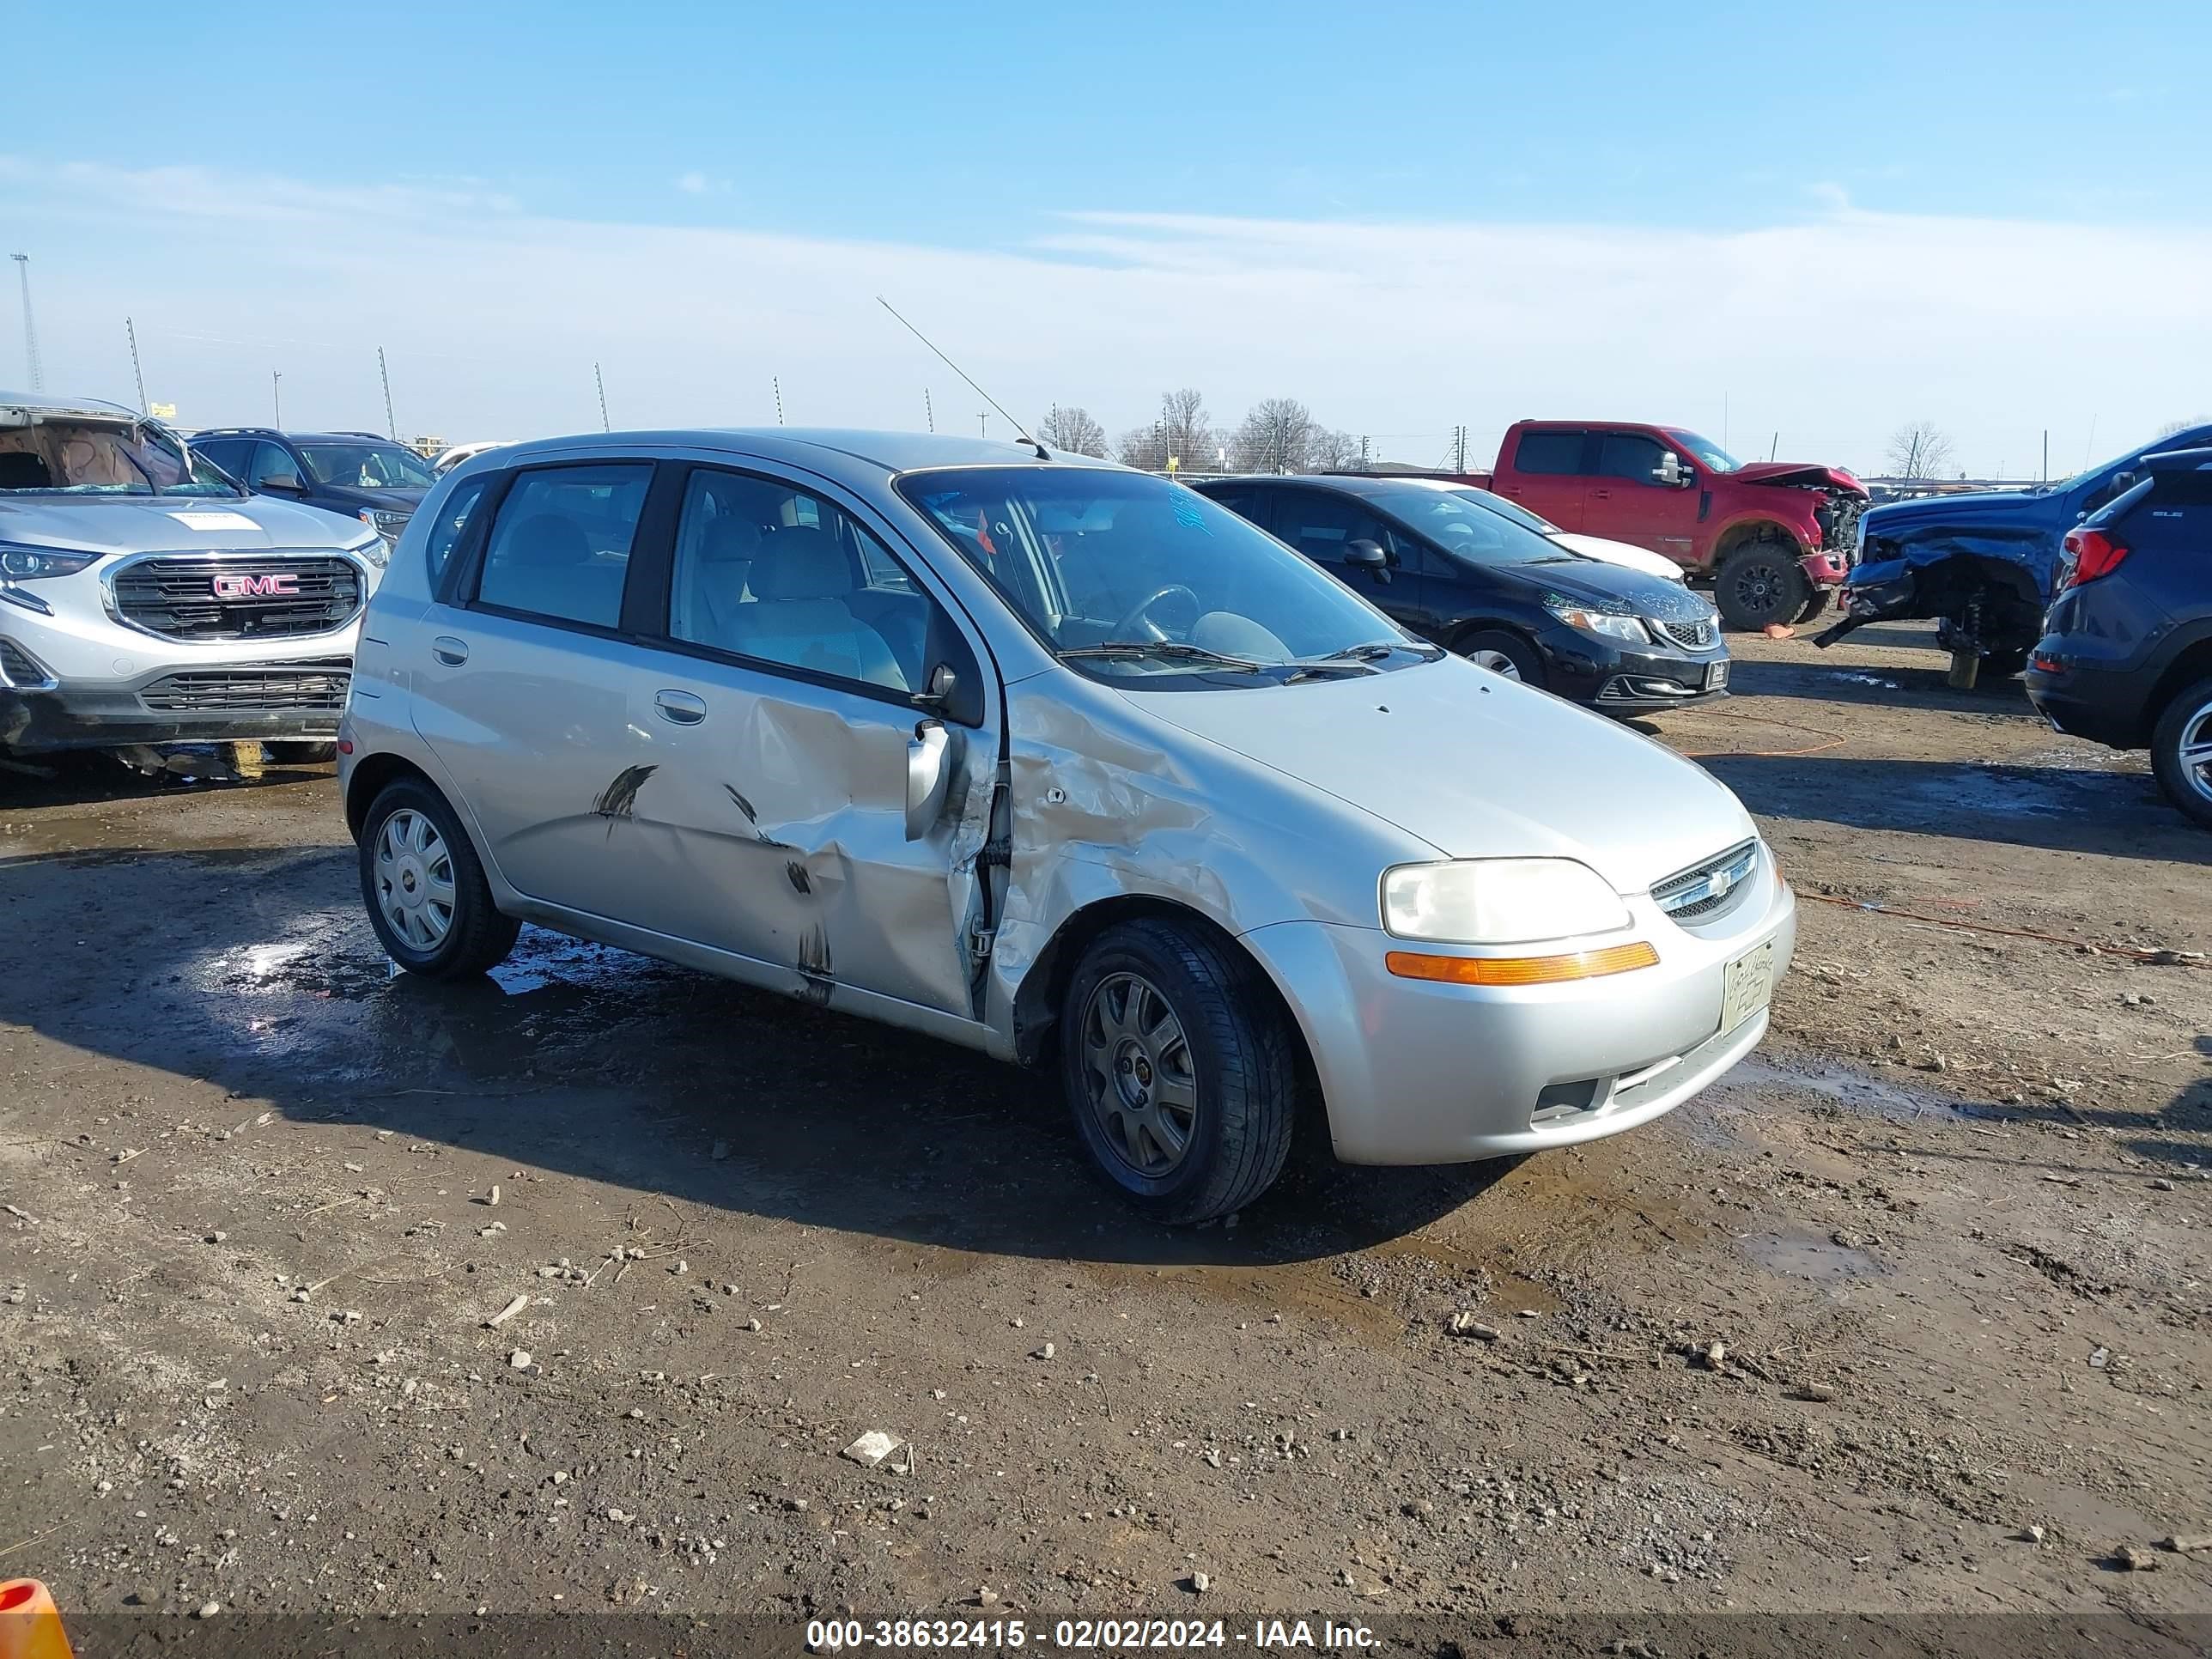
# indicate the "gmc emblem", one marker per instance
pixel 257 587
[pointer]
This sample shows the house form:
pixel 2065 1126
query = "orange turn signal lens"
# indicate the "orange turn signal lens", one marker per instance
pixel 1522 970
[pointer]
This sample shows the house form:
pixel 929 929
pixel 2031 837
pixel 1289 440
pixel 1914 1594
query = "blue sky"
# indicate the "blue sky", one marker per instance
pixel 1092 203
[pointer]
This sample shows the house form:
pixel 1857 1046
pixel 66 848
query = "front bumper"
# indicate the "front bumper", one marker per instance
pixel 1826 569
pixel 1618 677
pixel 200 702
pixel 1413 1072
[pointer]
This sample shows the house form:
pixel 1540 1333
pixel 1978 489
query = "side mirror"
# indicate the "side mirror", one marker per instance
pixel 943 682
pixel 1671 472
pixel 928 769
pixel 1368 556
pixel 2124 481
pixel 286 482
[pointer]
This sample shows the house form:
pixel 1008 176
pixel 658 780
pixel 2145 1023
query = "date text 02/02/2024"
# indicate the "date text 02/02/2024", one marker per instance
pixel 830 1636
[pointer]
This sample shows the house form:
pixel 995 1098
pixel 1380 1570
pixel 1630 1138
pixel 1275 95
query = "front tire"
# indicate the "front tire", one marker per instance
pixel 1178 1065
pixel 2181 751
pixel 1760 583
pixel 300 752
pixel 1504 653
pixel 425 888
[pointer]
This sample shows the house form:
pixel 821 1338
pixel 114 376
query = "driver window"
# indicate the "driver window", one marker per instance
pixel 1320 526
pixel 273 465
pixel 1630 455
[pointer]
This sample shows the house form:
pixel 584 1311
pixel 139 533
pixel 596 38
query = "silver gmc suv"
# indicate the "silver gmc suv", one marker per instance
pixel 145 598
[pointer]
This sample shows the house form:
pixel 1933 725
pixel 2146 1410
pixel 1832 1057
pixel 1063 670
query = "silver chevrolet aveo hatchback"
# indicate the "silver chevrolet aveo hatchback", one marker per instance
pixel 1056 759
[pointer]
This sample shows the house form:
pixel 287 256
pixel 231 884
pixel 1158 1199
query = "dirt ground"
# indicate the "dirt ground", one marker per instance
pixel 1949 1229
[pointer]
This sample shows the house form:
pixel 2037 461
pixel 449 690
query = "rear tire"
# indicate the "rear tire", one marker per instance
pixel 1821 598
pixel 2181 751
pixel 1179 1067
pixel 425 888
pixel 1760 583
pixel 1504 653
pixel 301 753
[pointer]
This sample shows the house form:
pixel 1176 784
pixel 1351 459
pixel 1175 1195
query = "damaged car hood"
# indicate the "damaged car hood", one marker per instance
pixel 170 524
pixel 1477 766
pixel 1798 472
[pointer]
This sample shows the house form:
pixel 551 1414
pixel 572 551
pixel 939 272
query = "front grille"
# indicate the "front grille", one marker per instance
pixel 269 596
pixel 19 669
pixel 1690 636
pixel 249 690
pixel 1706 889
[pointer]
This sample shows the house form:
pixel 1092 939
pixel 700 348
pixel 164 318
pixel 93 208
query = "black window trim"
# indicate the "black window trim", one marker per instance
pixel 657 593
pixel 1585 462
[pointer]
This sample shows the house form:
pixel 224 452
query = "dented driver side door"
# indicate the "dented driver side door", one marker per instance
pixel 783 731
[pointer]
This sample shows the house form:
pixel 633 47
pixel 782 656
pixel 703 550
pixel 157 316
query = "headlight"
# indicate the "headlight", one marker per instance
pixel 19 563
pixel 376 549
pixel 1596 622
pixel 1499 901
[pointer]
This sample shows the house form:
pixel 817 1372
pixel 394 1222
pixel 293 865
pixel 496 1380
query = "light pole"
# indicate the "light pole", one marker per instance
pixel 30 331
pixel 277 396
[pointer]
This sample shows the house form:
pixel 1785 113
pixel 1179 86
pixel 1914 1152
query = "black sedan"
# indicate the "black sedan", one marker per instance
pixel 1498 594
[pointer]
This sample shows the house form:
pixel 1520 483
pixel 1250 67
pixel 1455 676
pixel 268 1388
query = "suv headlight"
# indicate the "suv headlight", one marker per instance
pixel 1597 622
pixel 1499 901
pixel 376 549
pixel 19 563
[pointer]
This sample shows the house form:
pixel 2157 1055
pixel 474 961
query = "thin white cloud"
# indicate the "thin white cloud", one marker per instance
pixel 1830 331
pixel 696 183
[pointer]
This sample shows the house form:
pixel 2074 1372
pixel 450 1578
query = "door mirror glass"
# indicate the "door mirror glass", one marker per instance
pixel 1364 554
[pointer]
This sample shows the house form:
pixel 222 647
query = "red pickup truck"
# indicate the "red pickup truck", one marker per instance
pixel 1774 537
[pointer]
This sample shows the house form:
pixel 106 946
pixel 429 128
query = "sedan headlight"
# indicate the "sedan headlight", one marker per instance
pixel 1499 901
pixel 19 563
pixel 1596 622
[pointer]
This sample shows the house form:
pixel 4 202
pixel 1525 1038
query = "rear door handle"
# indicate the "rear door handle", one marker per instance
pixel 1601 494
pixel 450 651
pixel 680 707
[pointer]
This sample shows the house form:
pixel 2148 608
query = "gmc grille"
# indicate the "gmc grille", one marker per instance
pixel 297 689
pixel 178 598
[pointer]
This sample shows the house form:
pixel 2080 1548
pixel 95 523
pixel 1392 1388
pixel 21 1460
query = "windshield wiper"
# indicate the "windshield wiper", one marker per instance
pixel 1373 650
pixel 1165 650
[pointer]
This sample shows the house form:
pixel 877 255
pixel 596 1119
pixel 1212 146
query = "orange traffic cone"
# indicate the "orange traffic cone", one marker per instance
pixel 30 1624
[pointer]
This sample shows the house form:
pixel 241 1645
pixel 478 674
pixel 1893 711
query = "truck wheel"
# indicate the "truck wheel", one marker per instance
pixel 1505 653
pixel 1822 597
pixel 1760 583
pixel 1178 1065
pixel 2181 751
pixel 426 892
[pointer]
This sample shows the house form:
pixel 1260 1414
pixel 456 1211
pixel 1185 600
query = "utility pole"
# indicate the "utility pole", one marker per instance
pixel 30 330
pixel 600 381
pixel 277 396
pixel 983 421
pixel 1774 449
pixel 391 423
pixel 1459 443
pixel 929 410
pixel 775 386
pixel 130 331
pixel 2046 454
pixel 1363 451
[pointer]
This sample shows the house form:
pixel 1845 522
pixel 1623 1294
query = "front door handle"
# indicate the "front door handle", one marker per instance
pixel 1601 494
pixel 680 707
pixel 450 651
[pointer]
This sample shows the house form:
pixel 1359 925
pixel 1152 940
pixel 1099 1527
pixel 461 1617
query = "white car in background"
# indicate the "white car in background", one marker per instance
pixel 1625 554
pixel 446 460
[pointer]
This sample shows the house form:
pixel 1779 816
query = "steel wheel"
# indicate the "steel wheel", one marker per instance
pixel 1497 662
pixel 414 876
pixel 1137 1074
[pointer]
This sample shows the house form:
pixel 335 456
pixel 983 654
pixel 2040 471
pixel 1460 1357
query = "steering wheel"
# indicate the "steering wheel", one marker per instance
pixel 1137 616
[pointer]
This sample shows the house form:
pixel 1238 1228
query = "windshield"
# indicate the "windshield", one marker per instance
pixel 95 457
pixel 1138 579
pixel 1466 528
pixel 1708 453
pixel 1507 509
pixel 368 466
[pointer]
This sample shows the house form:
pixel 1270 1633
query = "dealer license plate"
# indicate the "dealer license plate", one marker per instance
pixel 1716 676
pixel 1747 985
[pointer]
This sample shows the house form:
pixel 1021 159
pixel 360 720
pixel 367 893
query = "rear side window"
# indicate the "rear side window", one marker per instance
pixel 1628 455
pixel 1558 452
pixel 2176 490
pixel 560 547
pixel 452 523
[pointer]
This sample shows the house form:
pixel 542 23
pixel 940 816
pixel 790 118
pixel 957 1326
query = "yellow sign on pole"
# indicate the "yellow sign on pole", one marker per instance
pixel 1175 463
pixel 162 411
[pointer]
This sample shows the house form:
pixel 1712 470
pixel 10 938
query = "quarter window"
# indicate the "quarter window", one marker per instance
pixel 560 547
pixel 768 572
pixel 452 523
pixel 1555 453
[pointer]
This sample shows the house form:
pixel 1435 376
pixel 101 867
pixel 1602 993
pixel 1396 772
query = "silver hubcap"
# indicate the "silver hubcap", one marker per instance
pixel 1496 662
pixel 415 879
pixel 1137 1073
pixel 2197 751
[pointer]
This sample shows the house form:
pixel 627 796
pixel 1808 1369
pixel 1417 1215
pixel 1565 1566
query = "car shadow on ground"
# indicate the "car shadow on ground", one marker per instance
pixel 2067 809
pixel 1829 681
pixel 97 777
pixel 260 973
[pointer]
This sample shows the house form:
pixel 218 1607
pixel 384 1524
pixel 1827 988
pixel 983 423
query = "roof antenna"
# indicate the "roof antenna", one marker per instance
pixel 1022 432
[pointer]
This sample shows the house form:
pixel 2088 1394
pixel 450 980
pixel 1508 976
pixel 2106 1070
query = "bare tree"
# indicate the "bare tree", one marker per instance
pixel 1919 451
pixel 1332 450
pixel 1186 428
pixel 1276 437
pixel 1070 427
pixel 1142 446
